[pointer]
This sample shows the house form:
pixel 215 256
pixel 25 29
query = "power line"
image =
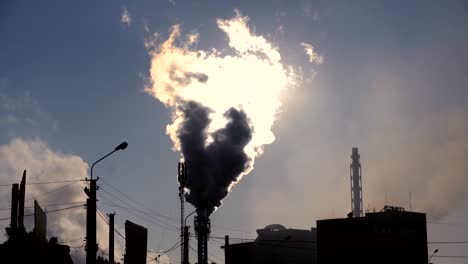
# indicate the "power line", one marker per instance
pixel 49 192
pixel 139 203
pixel 105 220
pixel 9 208
pixel 61 209
pixel 131 210
pixel 176 245
pixel 51 211
pixel 196 252
pixel 37 183
pixel 143 212
pixel 448 223
pixel 448 242
pixel 437 256
pixel 214 255
pixel 308 241
pixel 52 191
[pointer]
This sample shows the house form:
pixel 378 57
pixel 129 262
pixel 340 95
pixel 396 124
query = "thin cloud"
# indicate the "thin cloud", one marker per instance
pixel 314 58
pixel 22 115
pixel 125 19
pixel 44 164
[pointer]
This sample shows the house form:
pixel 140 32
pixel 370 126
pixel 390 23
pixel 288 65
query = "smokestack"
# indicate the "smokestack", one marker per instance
pixel 14 207
pixel 356 184
pixel 182 178
pixel 21 197
pixel 186 245
pixel 202 228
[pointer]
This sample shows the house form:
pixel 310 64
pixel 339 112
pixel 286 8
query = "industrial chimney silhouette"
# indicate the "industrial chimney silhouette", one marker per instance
pixel 356 183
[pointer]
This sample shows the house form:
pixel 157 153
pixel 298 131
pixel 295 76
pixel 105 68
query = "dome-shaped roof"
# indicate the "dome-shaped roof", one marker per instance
pixel 275 227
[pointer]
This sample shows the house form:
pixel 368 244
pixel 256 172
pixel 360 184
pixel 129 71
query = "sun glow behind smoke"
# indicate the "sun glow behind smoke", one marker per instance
pixel 251 80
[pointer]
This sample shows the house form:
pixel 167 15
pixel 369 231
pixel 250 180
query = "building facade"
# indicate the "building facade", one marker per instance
pixel 275 244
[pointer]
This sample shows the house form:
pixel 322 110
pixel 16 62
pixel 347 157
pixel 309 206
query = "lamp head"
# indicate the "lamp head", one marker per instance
pixel 122 146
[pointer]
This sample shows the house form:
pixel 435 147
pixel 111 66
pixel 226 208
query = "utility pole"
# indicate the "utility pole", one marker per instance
pixel 111 238
pixel 14 207
pixel 91 245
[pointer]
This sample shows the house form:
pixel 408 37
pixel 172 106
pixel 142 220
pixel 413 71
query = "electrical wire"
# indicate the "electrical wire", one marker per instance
pixel 196 252
pixel 37 183
pixel 176 245
pixel 139 203
pixel 214 255
pixel 9 208
pixel 105 220
pixel 47 193
pixel 166 225
pixel 52 191
pixel 448 242
pixel 51 211
pixel 437 256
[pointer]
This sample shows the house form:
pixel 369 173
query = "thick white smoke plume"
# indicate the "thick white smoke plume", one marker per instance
pixel 221 95
pixel 46 165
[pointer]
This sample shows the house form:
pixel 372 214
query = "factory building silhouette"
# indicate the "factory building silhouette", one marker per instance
pixel 275 244
pixel 30 247
pixel 391 235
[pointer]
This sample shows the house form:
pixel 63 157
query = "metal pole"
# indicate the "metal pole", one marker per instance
pixel 91 246
pixel 111 238
pixel 14 207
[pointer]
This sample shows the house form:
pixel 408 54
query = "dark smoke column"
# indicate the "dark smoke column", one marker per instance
pixel 211 168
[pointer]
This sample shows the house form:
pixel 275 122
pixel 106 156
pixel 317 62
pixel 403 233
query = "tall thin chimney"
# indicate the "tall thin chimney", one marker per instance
pixel 14 207
pixel 22 194
pixel 356 183
pixel 203 228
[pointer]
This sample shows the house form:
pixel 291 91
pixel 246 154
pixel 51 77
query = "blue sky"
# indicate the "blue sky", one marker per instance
pixel 392 83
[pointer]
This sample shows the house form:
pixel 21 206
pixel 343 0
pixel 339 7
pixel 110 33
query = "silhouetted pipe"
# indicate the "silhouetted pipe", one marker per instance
pixel 14 207
pixel 21 196
pixel 111 238
pixel 186 245
pixel 202 227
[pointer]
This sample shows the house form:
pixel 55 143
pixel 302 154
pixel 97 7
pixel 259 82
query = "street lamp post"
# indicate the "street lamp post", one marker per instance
pixel 186 240
pixel 91 245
